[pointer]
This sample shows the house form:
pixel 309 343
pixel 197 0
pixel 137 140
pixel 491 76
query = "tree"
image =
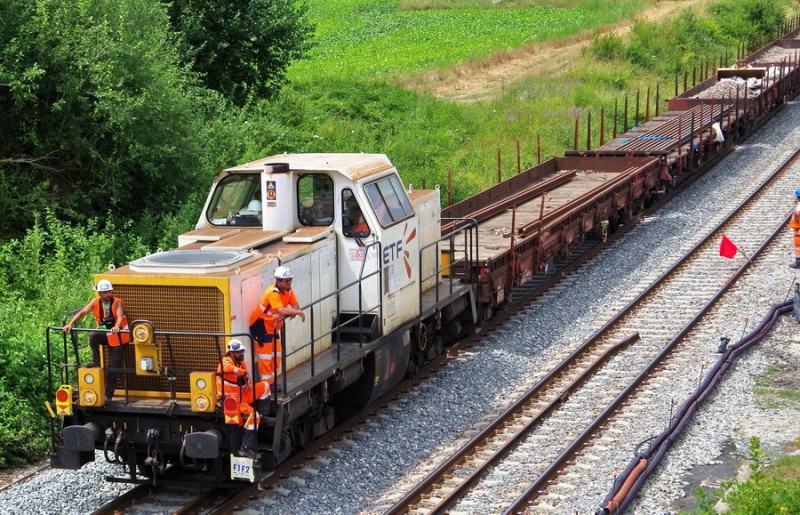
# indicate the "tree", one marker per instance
pixel 97 114
pixel 241 47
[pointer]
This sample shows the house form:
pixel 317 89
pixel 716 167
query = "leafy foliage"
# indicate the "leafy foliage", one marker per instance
pixel 692 38
pixel 96 110
pixel 760 494
pixel 42 276
pixel 241 48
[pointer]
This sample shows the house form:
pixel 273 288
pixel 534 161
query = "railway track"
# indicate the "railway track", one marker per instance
pixel 317 456
pixel 549 427
pixel 176 500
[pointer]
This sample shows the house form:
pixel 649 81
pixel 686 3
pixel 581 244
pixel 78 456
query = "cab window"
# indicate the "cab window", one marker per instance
pixel 236 201
pixel 354 224
pixel 315 199
pixel 389 200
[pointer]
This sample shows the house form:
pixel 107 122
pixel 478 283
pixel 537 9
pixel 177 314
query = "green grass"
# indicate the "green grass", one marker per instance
pixel 371 38
pixel 776 388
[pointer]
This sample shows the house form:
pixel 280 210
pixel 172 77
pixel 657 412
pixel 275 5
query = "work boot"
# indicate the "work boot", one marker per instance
pixel 796 263
pixel 248 449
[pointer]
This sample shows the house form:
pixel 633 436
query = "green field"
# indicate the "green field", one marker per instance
pixel 361 39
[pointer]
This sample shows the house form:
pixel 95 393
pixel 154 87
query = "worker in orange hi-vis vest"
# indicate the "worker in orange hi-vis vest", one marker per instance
pixel 234 381
pixel 794 222
pixel 109 313
pixel 277 302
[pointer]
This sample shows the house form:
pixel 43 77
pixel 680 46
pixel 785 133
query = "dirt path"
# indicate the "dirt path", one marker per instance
pixel 485 79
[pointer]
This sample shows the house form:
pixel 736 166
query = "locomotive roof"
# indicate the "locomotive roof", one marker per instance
pixel 353 166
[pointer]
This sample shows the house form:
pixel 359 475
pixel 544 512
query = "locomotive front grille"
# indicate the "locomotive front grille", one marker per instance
pixel 196 309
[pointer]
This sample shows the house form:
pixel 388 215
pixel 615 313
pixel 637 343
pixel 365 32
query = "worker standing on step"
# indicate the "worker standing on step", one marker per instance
pixel 276 303
pixel 794 223
pixel 109 313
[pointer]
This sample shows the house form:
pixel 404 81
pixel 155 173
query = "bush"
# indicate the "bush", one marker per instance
pixel 760 494
pixel 607 47
pixel 42 276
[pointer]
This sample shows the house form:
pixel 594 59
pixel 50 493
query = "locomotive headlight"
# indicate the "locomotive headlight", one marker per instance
pixel 91 384
pixel 203 391
pixel 201 403
pixel 88 398
pixel 143 333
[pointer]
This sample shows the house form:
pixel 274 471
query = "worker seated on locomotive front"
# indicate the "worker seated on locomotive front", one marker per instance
pixel 236 201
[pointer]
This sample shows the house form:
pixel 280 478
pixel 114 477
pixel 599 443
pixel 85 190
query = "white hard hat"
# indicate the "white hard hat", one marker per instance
pixel 283 272
pixel 254 205
pixel 104 285
pixel 235 346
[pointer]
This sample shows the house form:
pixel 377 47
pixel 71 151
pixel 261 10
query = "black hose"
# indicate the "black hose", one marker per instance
pixel 661 444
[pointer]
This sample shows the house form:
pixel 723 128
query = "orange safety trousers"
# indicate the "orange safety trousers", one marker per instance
pixel 270 358
pixel 797 242
pixel 794 223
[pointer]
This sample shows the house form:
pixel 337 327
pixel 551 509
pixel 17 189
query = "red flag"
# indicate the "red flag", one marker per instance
pixel 727 248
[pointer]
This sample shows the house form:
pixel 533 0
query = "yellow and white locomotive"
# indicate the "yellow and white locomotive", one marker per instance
pixel 366 254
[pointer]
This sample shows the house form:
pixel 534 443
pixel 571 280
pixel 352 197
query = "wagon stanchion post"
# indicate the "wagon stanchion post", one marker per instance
pixel 499 167
pixel 539 260
pixel 647 106
pixel 625 115
pixel 685 80
pixel 614 132
pixel 658 98
pixel 538 149
pixel 512 261
pixel 519 163
pixel 736 111
pixel 602 125
pixel 746 113
pixel 700 135
pixel 589 131
pixel 728 118
pixel 575 135
pixel 636 112
pixel 676 84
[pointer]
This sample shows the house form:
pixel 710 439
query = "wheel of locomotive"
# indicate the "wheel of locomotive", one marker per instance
pixel 487 310
pixel 422 338
pixel 419 352
pixel 613 224
pixel 301 433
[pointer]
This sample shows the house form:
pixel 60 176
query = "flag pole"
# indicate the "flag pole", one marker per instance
pixel 742 253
